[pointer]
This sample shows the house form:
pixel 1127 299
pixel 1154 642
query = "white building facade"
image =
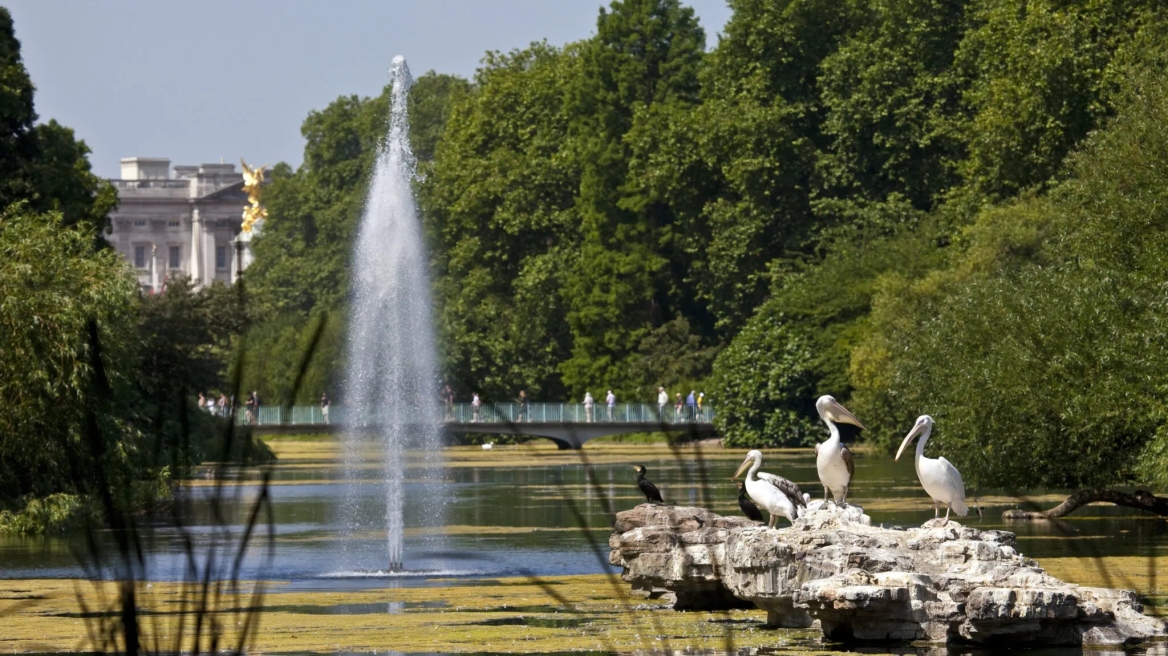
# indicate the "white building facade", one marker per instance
pixel 185 224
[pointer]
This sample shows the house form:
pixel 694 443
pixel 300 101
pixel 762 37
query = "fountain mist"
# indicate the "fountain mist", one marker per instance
pixel 390 389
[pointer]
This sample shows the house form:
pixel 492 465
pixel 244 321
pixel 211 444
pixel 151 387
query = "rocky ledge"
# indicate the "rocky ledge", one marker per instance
pixel 941 583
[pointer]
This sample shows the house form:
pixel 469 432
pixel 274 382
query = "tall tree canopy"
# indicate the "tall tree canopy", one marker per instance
pixel 787 215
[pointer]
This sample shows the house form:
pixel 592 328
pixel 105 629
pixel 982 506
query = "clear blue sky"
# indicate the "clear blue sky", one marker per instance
pixel 201 80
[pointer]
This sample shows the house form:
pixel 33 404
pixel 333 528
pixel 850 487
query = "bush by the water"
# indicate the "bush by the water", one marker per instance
pixel 763 383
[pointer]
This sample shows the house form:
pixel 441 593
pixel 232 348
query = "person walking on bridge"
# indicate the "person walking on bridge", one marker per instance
pixel 588 402
pixel 476 405
pixel 662 401
pixel 691 403
pixel 448 402
pixel 522 403
pixel 324 406
pixel 610 401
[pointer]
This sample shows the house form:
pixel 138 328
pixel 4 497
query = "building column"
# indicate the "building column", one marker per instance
pixel 153 269
pixel 196 247
pixel 208 257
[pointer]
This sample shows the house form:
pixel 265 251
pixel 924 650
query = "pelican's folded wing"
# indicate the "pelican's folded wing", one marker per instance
pixel 846 454
pixel 786 487
pixel 954 475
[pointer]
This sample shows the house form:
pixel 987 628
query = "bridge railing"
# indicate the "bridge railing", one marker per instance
pixel 466 413
pixel 576 413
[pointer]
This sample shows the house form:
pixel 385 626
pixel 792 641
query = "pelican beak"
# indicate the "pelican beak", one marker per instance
pixel 741 468
pixel 916 430
pixel 841 415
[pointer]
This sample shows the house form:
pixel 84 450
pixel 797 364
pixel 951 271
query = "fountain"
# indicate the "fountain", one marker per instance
pixel 390 387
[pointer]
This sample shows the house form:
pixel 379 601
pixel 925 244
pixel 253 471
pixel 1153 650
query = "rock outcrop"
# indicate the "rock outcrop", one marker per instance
pixel 942 582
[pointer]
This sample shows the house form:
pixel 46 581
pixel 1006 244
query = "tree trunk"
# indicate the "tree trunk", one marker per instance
pixel 1141 499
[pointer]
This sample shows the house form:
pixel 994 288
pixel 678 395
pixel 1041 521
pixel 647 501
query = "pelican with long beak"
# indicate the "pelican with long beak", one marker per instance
pixel 939 477
pixel 833 460
pixel 774 493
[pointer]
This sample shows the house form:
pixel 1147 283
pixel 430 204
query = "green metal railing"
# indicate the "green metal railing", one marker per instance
pixel 492 413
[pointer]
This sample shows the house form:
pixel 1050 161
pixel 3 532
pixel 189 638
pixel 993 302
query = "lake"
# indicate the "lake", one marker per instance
pixel 530 512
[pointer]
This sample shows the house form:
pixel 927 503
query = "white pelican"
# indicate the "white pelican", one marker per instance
pixel 833 460
pixel 774 493
pixel 939 477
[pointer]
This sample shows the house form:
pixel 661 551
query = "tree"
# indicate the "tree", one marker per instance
pixel 497 205
pixel 762 385
pixel 891 102
pixel 54 286
pixel 646 53
pixel 184 338
pixel 17 117
pixel 1039 339
pixel 1040 78
pixel 430 103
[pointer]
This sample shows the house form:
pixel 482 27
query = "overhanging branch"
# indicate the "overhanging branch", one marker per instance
pixel 1141 499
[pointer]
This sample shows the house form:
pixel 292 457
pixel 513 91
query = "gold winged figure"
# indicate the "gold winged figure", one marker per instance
pixel 253 179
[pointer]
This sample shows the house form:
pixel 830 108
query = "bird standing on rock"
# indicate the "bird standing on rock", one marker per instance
pixel 939 477
pixel 652 494
pixel 775 493
pixel 747 506
pixel 833 460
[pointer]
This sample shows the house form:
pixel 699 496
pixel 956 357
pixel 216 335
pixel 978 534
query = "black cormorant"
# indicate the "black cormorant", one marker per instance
pixel 652 494
pixel 747 506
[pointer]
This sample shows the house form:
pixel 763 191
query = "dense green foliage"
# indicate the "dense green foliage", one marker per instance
pixel 918 206
pixel 764 382
pixel 53 286
pixel 1050 317
pixel 67 308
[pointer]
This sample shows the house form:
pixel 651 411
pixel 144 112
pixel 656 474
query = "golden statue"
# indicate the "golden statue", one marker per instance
pixel 253 179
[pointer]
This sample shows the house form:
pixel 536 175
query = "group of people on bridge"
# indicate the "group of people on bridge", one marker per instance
pixel 225 405
pixel 689 408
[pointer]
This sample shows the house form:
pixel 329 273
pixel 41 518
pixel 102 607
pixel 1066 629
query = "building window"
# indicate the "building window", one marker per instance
pixel 139 223
pixel 175 256
pixel 172 224
pixel 221 257
pixel 140 257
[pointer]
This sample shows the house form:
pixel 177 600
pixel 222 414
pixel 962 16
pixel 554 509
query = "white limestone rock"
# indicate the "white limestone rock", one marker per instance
pixel 942 582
